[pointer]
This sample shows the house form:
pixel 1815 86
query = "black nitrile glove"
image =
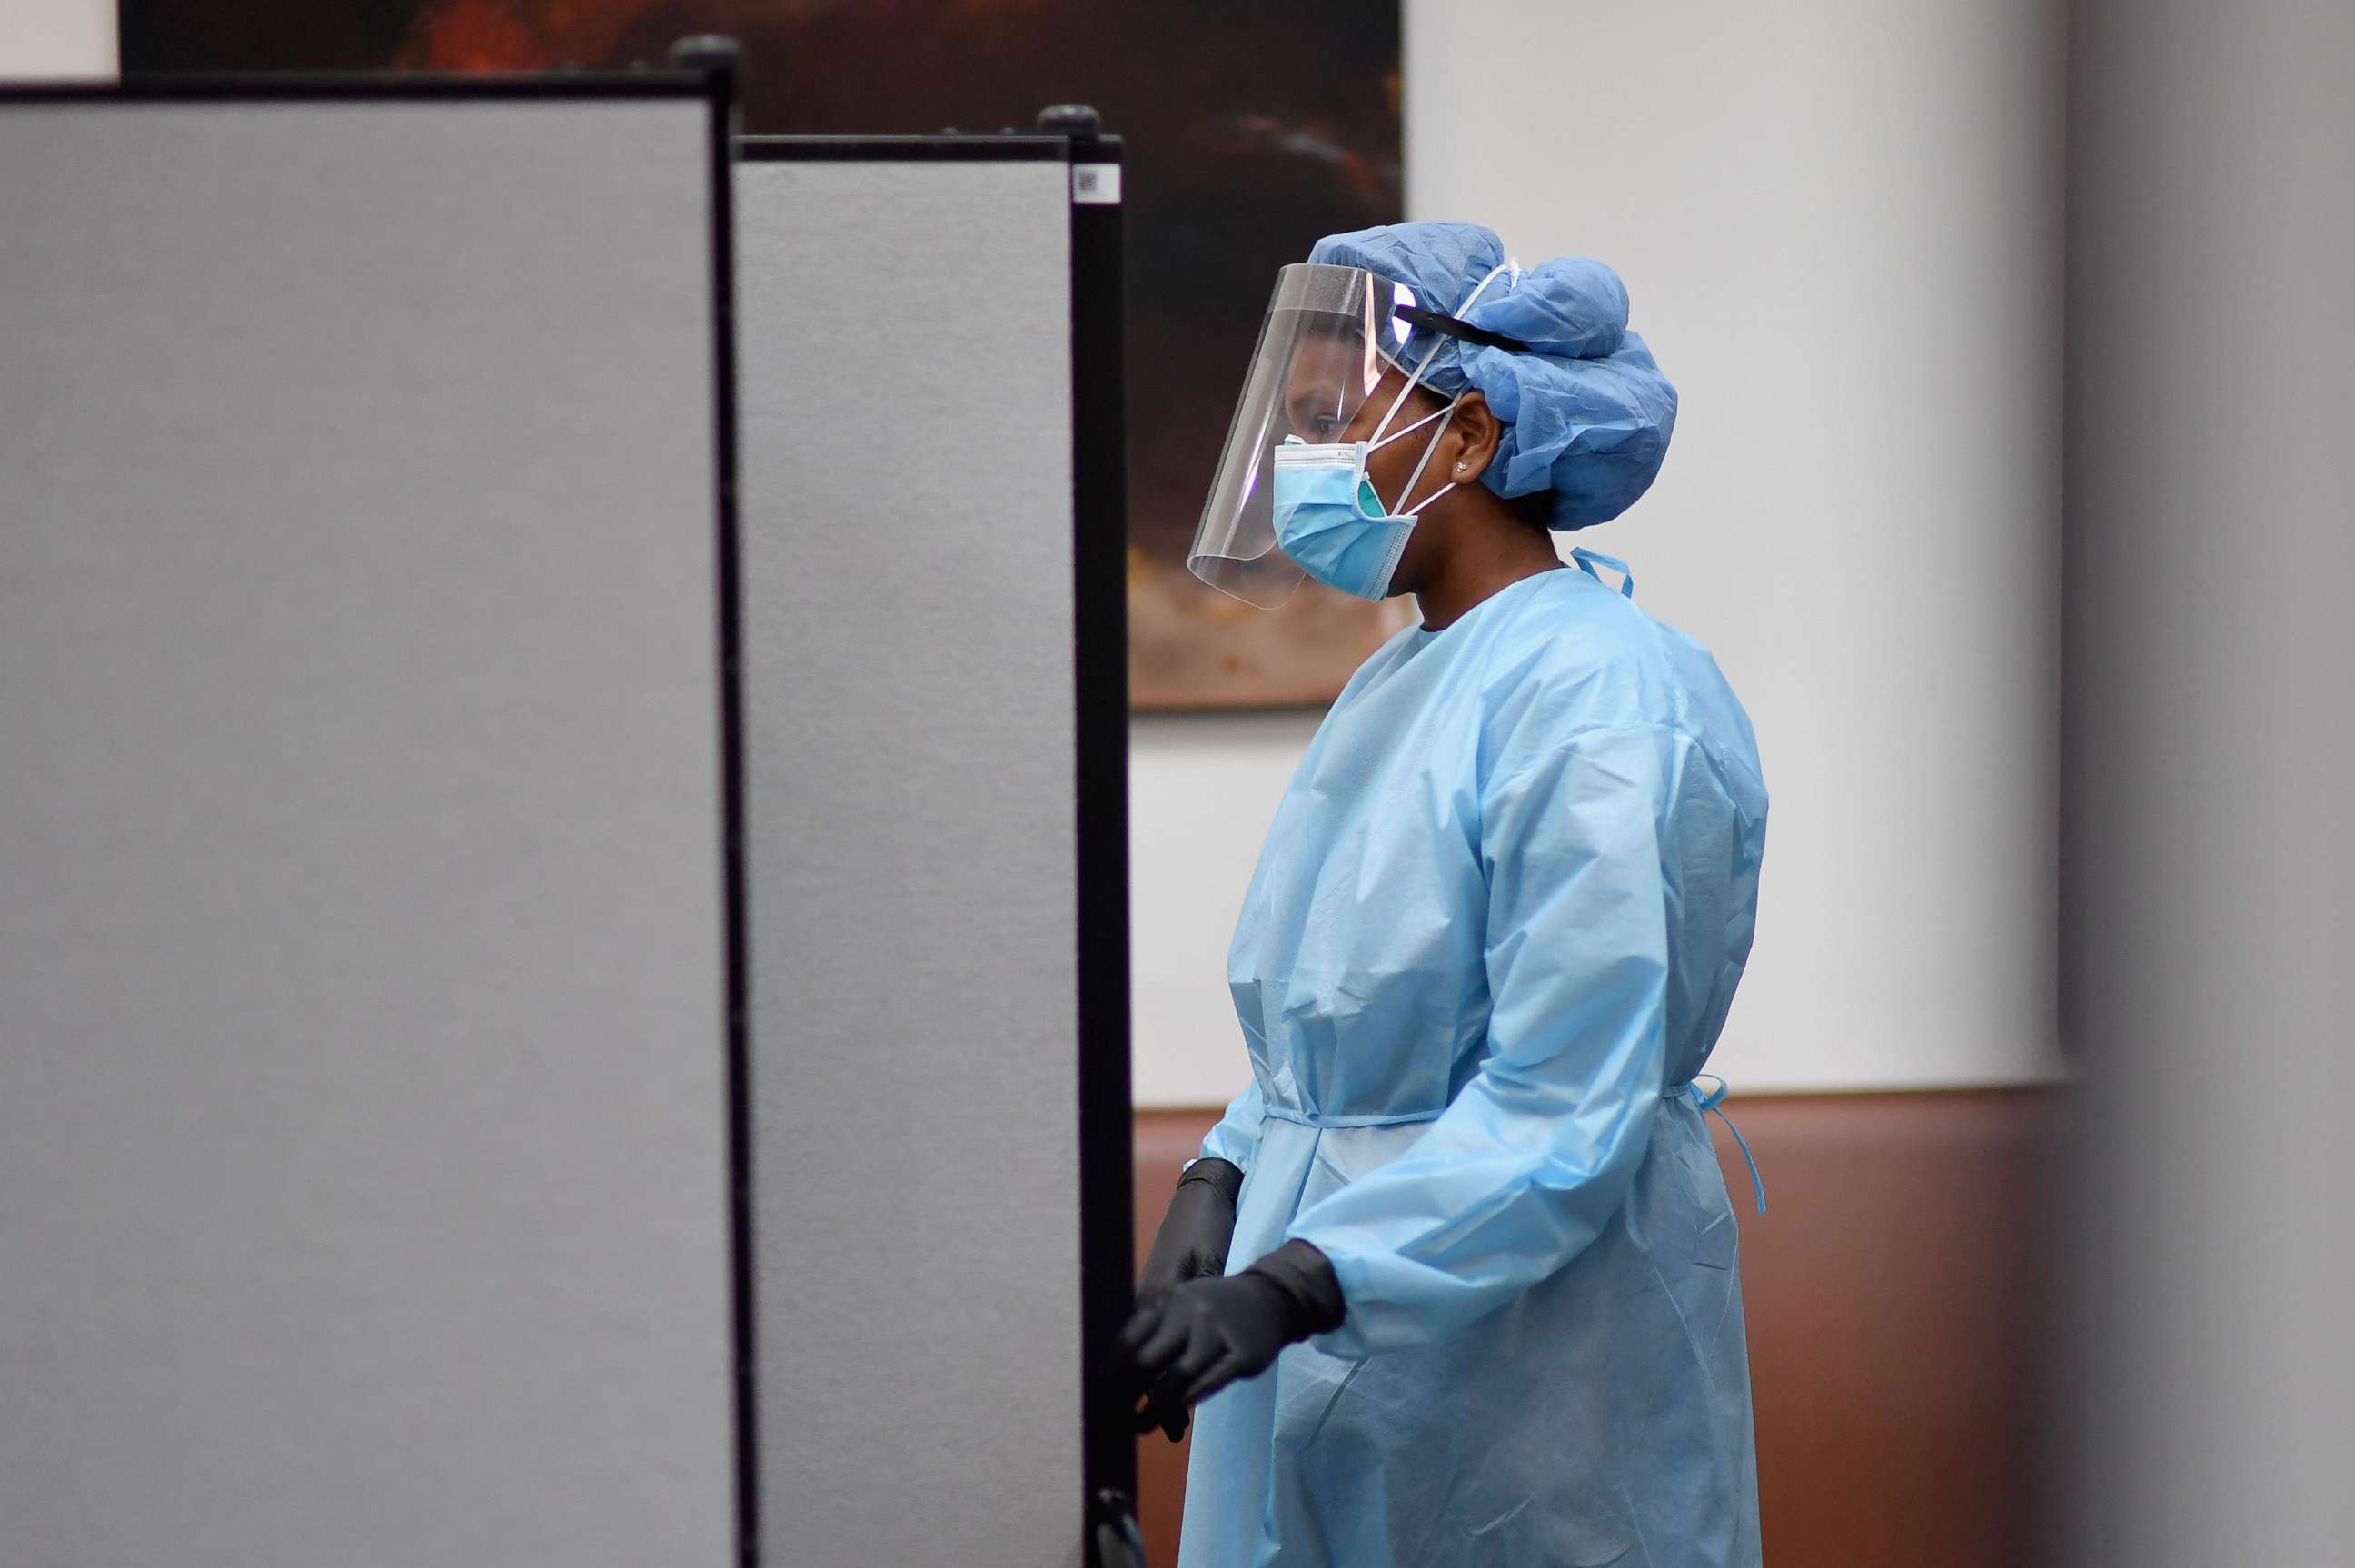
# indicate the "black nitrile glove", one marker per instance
pixel 1202 1335
pixel 1192 1240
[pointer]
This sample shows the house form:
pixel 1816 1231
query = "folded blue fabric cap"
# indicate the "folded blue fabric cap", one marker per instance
pixel 1587 413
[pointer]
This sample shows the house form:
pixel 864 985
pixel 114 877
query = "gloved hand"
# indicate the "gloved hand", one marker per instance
pixel 1192 1240
pixel 1204 1334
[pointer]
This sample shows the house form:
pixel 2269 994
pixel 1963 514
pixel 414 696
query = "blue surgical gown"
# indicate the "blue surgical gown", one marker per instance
pixel 1492 936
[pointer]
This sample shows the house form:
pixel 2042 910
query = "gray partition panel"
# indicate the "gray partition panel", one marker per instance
pixel 905 350
pixel 363 1070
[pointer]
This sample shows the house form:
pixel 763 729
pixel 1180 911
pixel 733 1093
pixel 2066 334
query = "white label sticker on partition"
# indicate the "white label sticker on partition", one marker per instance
pixel 1095 185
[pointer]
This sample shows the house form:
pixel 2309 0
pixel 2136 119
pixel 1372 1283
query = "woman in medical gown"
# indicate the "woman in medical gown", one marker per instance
pixel 1454 1281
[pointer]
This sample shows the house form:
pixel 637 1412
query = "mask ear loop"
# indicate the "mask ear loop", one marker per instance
pixel 1411 429
pixel 1446 412
pixel 1412 479
pixel 1432 352
pixel 1446 415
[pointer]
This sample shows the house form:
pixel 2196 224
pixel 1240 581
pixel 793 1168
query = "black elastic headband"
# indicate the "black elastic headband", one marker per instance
pixel 1449 326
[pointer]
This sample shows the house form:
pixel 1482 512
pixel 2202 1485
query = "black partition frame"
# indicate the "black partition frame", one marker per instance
pixel 716 90
pixel 1100 632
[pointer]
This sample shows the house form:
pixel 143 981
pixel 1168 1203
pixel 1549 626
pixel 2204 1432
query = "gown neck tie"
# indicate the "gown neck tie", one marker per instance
pixel 1587 561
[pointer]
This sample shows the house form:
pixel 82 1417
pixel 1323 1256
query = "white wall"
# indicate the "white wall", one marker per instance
pixel 47 38
pixel 1202 789
pixel 1840 224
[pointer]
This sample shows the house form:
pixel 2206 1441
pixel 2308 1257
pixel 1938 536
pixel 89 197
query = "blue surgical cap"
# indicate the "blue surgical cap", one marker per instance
pixel 1587 413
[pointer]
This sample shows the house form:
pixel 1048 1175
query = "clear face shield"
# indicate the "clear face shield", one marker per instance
pixel 1331 333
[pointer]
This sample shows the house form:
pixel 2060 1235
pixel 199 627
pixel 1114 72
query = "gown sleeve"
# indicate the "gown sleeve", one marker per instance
pixel 1236 1138
pixel 1535 1155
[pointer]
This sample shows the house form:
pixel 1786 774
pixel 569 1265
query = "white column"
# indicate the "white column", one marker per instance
pixel 2211 481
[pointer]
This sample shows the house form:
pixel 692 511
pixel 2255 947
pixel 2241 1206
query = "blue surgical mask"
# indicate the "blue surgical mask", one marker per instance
pixel 1330 519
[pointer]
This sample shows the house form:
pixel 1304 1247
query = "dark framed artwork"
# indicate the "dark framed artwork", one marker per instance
pixel 1251 131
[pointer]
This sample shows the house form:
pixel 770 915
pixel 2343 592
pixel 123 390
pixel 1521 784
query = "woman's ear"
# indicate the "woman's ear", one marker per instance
pixel 1470 441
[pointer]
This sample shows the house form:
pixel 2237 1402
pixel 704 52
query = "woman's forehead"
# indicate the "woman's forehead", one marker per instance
pixel 1331 371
